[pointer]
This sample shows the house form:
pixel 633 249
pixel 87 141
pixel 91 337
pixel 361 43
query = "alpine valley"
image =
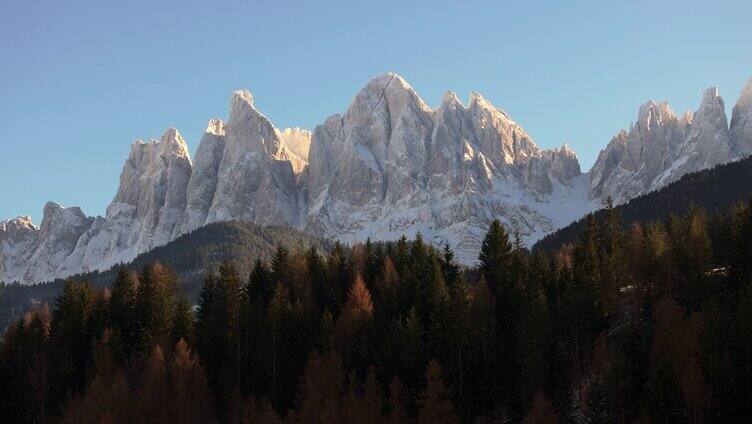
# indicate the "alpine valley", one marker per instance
pixel 389 166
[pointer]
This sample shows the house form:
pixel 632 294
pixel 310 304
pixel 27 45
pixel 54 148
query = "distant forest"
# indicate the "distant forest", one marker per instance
pixel 649 324
pixel 190 256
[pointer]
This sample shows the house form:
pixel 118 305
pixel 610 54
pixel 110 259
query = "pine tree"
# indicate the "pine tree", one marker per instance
pixel 387 290
pixel 71 336
pixel 260 285
pixel 612 262
pixel 107 396
pixel 122 302
pixel 495 255
pixel 364 405
pixel 340 277
pixel 503 270
pixel 154 309
pixel 191 402
pixel 481 375
pixel 353 329
pixel 451 270
pixel 397 408
pixel 218 328
pixel 183 324
pixel 321 390
pixel 154 396
pixel 435 407
pixel 322 293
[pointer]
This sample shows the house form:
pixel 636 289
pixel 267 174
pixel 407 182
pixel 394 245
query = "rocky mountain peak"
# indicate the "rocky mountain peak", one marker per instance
pixel 384 98
pixel 477 100
pixel 19 223
pixel 659 149
pixel 687 118
pixel 745 97
pixel 741 122
pixel 173 144
pixel 298 140
pixel 450 98
pixel 248 130
pixel 655 113
pixel 59 232
pixel 215 127
pixel 240 98
pixel 390 165
pixel 712 105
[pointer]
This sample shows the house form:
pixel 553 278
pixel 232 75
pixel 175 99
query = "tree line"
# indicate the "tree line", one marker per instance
pixel 648 324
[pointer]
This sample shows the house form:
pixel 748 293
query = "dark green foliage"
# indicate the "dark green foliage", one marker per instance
pixel 652 324
pixel 716 189
pixel 190 256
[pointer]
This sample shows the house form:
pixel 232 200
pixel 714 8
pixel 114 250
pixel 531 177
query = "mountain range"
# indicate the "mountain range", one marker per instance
pixel 390 165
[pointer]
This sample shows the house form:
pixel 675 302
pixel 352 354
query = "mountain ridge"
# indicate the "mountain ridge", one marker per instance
pixel 715 190
pixel 389 165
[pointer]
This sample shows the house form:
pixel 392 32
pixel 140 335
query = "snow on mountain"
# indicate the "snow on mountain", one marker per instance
pixel 390 165
pixel 659 148
pixel 252 184
pixel 400 167
pixel 19 239
pixel 741 121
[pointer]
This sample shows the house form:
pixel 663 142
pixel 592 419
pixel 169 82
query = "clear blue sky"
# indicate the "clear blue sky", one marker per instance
pixel 80 80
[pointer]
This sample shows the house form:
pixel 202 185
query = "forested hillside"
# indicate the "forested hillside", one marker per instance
pixel 715 190
pixel 653 324
pixel 190 255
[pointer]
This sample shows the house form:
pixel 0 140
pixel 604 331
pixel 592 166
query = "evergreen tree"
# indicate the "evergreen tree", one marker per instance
pixel 612 262
pixel 435 406
pixel 154 308
pixel 191 400
pixel 122 302
pixel 321 390
pixel 218 329
pixel 71 336
pixel 353 329
pixel 495 256
pixel 339 271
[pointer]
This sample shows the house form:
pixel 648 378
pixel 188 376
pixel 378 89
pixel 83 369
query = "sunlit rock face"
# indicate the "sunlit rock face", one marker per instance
pixel 659 148
pixel 391 165
pixel 741 122
pixel 388 165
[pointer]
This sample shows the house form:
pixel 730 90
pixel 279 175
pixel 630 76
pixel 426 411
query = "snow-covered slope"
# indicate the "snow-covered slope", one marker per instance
pixel 389 165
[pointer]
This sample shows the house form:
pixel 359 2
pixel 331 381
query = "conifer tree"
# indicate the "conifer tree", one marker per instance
pixel 321 390
pixel 353 329
pixel 450 268
pixel 183 323
pixel 495 255
pixel 154 309
pixel 397 408
pixel 122 303
pixel 612 262
pixel 363 404
pixel 435 407
pixel 107 396
pixel 71 338
pixel 339 271
pixel 153 394
pixel 191 402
